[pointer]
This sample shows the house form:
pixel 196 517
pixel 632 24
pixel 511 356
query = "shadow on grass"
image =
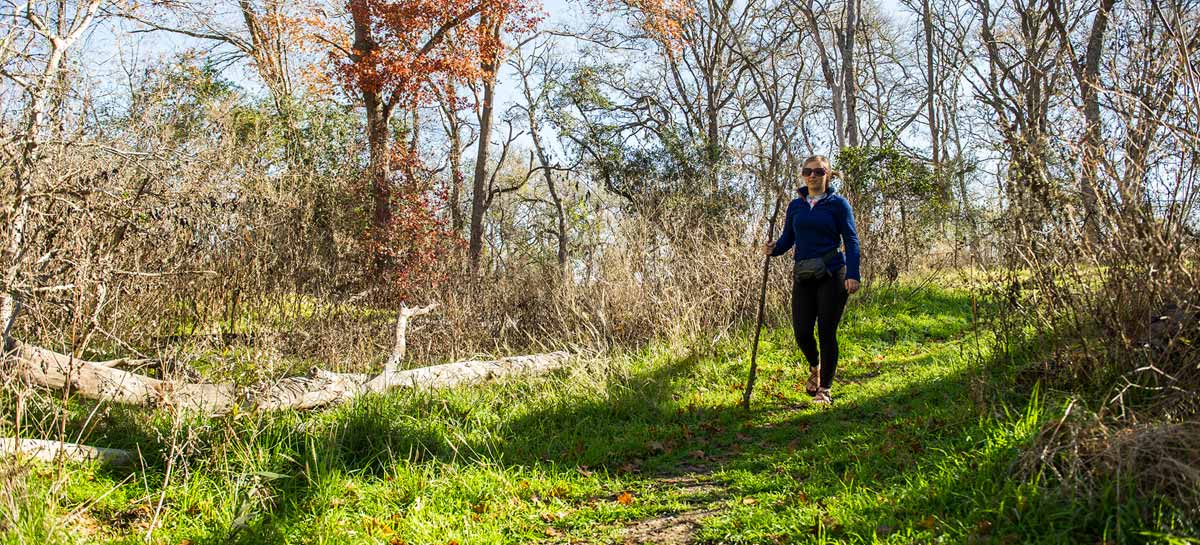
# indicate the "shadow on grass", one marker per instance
pixel 376 433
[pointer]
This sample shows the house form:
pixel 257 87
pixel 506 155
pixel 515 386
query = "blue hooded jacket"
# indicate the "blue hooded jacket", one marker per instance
pixel 817 230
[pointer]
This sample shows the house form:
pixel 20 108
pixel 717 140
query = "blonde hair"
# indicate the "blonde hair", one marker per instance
pixel 833 174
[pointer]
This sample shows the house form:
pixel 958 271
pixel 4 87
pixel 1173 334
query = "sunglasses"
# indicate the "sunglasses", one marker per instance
pixel 812 171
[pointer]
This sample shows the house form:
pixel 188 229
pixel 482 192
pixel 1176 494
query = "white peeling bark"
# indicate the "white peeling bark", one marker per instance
pixel 51 451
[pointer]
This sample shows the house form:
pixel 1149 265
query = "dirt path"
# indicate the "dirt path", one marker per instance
pixel 703 497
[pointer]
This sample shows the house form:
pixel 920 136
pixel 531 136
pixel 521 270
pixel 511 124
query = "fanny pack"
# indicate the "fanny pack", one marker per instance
pixel 813 268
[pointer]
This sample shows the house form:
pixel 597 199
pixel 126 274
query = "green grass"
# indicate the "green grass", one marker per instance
pixel 920 447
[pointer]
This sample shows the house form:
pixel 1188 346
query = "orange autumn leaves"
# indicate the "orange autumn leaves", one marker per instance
pixel 400 49
pixel 661 20
pixel 412 45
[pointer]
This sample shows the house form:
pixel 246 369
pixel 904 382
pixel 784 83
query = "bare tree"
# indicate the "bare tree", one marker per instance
pixel 39 39
pixel 449 103
pixel 1019 86
pixel 266 35
pixel 540 62
pixel 1086 69
pixel 843 82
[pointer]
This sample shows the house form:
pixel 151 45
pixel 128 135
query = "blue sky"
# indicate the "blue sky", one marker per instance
pixel 111 49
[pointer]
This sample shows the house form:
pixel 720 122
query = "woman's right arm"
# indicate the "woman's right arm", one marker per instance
pixel 786 238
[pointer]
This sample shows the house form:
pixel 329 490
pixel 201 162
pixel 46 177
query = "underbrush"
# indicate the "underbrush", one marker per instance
pixel 1115 327
pixel 249 328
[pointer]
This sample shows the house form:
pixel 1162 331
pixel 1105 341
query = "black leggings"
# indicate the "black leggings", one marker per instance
pixel 820 302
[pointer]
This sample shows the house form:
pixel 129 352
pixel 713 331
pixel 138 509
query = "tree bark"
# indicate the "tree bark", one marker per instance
pixel 1089 87
pixel 448 102
pixel 102 381
pixel 1087 77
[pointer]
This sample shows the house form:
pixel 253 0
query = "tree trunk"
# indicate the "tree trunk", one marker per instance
pixel 102 381
pixel 454 130
pixel 560 232
pixel 849 74
pixel 930 78
pixel 839 121
pixel 1092 143
pixel 1087 77
pixel 479 181
pixel 379 112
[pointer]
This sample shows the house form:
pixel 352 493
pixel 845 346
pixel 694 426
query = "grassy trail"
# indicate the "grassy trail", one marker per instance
pixel 919 447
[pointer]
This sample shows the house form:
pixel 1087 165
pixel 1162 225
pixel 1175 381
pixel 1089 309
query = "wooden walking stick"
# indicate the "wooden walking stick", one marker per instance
pixel 762 301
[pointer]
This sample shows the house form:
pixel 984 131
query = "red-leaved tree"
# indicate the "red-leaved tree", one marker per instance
pixel 391 59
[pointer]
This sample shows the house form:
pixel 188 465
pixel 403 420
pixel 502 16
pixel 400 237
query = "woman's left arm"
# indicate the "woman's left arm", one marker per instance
pixel 850 240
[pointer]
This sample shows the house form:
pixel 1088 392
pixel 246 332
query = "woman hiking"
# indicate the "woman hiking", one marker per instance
pixel 818 223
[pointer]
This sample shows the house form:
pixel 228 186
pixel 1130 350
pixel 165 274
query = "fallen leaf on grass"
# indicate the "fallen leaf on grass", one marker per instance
pixel 625 498
pixel 373 526
pixel 655 446
pixel 928 523
pixel 698 454
pixel 553 532
pixel 749 501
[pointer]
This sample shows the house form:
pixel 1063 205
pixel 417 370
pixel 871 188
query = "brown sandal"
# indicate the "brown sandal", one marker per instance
pixel 822 397
pixel 814 381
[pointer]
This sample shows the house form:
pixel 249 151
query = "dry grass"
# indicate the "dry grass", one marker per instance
pixel 1095 455
pixel 1116 324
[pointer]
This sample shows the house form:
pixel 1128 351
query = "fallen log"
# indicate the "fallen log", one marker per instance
pixel 51 451
pixel 104 382
pixel 51 369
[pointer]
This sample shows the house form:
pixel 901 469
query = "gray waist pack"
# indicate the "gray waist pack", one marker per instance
pixel 814 268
